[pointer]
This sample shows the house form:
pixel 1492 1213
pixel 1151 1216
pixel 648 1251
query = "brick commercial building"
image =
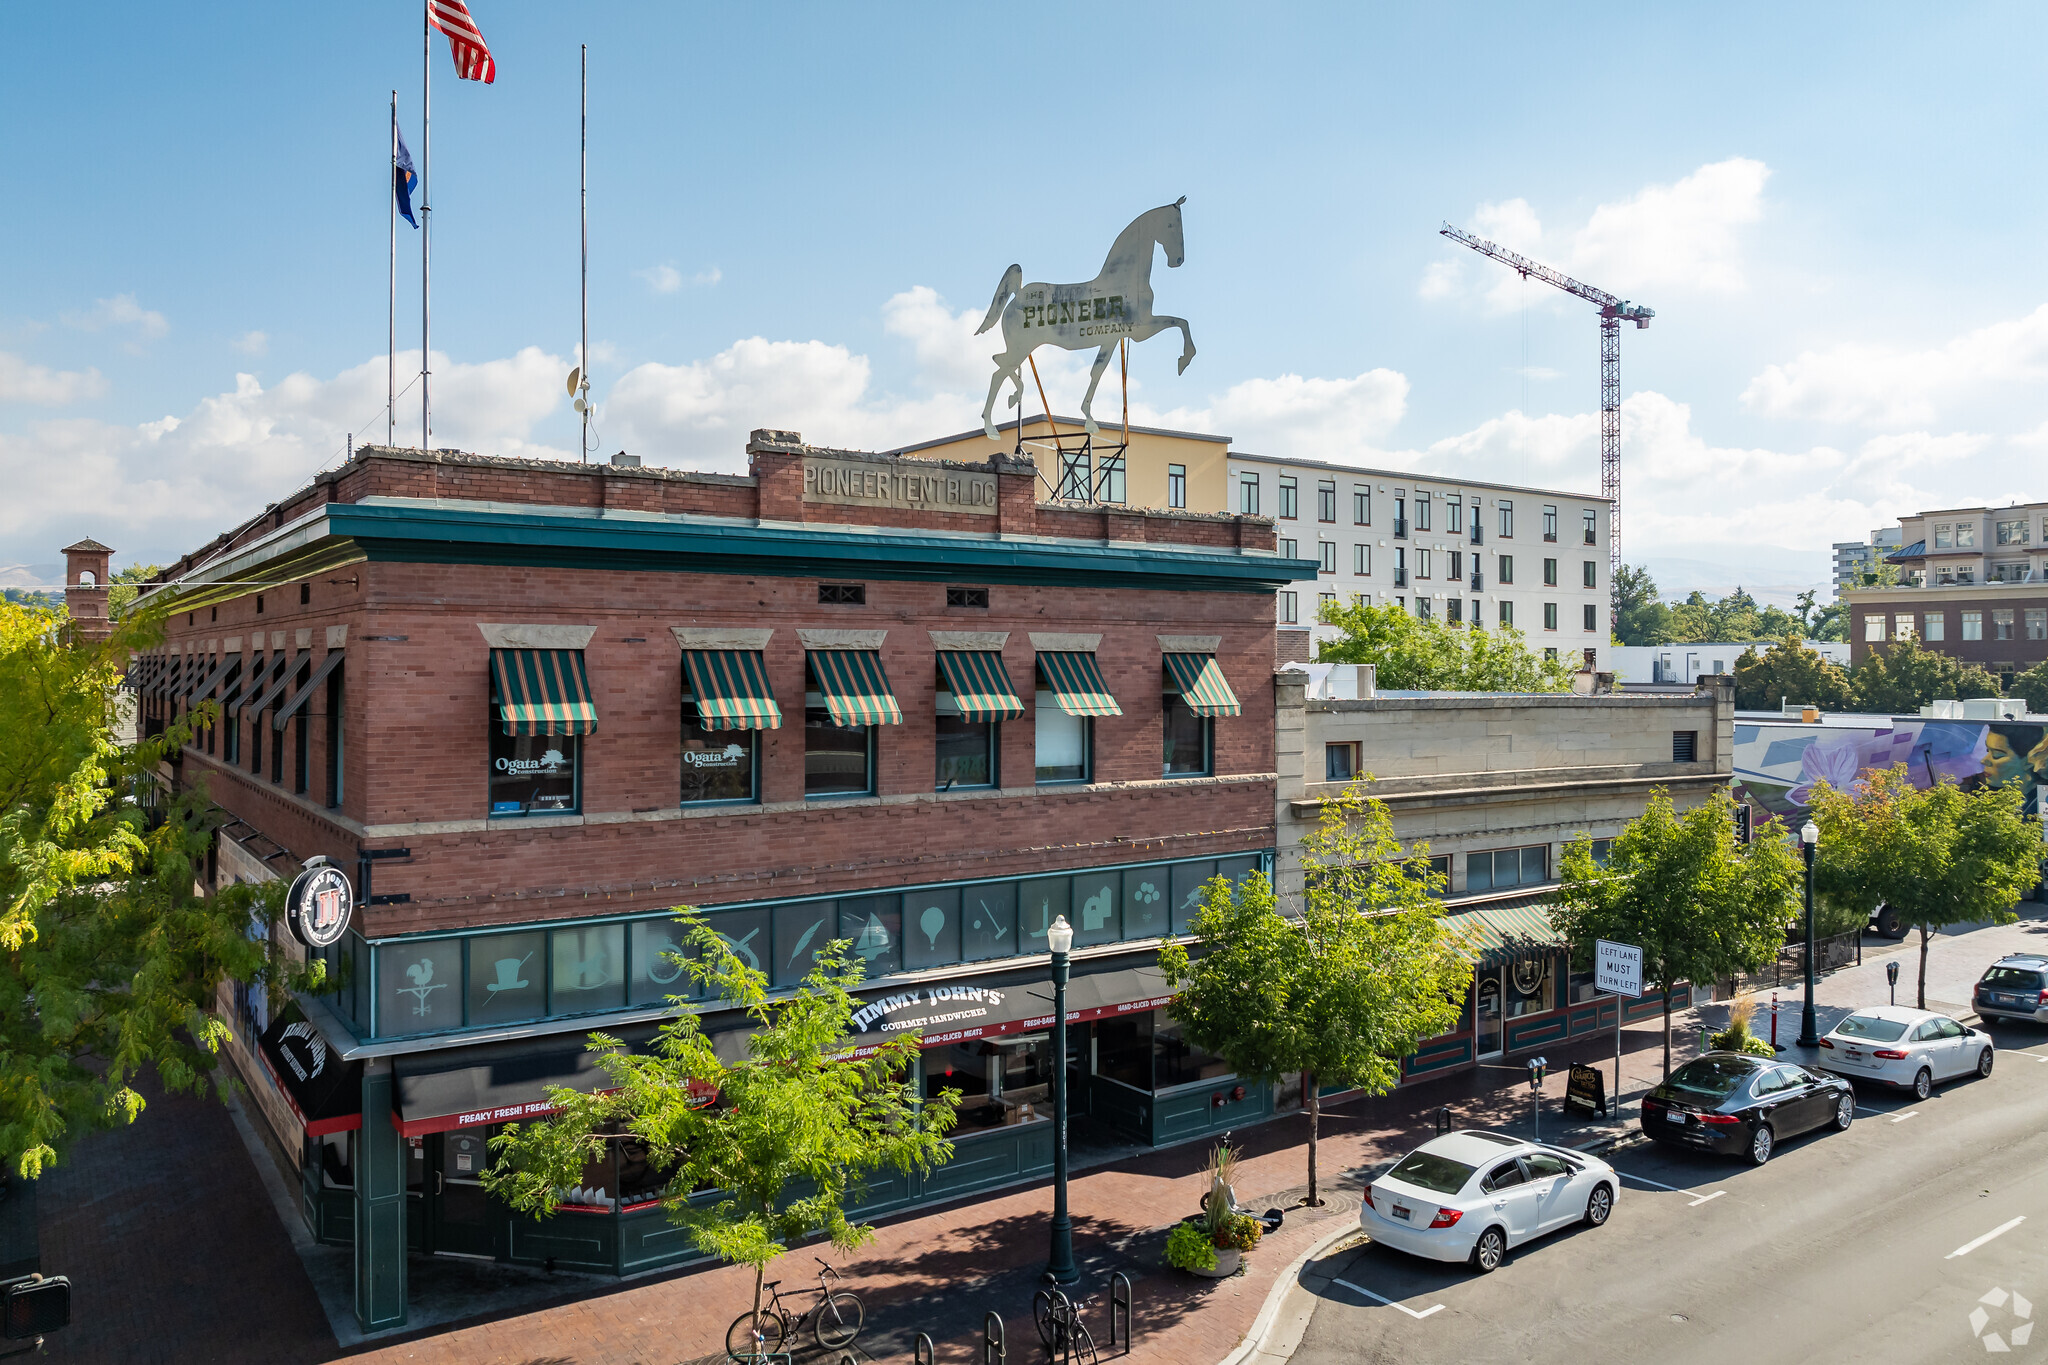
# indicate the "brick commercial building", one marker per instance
pixel 530 707
pixel 1973 584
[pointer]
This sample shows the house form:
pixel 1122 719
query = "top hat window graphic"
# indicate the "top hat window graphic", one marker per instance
pixel 510 976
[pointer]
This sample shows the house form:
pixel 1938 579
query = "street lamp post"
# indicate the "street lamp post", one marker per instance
pixel 1060 1269
pixel 1809 844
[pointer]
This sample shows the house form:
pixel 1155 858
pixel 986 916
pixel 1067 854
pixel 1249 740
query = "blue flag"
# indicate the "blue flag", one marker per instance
pixel 404 180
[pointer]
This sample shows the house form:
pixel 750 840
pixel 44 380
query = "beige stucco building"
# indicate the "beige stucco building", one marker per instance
pixel 1175 470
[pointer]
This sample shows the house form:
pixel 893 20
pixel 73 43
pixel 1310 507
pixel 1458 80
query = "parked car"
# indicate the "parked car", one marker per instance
pixel 2015 987
pixel 1737 1105
pixel 1471 1195
pixel 1908 1048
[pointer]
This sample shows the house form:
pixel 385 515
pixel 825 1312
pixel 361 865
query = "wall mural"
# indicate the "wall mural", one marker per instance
pixel 1777 766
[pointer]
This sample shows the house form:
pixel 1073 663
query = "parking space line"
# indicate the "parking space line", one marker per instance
pixel 1705 1197
pixel 1645 1180
pixel 1360 1289
pixel 1999 1231
pixel 1901 1118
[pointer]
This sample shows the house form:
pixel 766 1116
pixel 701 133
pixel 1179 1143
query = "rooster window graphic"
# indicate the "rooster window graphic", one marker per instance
pixel 421 974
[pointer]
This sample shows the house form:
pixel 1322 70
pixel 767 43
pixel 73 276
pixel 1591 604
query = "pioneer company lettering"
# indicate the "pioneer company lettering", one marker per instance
pixel 863 484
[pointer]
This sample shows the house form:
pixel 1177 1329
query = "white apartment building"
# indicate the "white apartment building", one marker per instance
pixel 1448 549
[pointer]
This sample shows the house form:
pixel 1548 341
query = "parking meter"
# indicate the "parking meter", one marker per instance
pixel 1891 976
pixel 1537 1067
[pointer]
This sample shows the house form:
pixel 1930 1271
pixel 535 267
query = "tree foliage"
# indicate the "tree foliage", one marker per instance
pixel 1789 670
pixel 1639 614
pixel 797 1127
pixel 1698 904
pixel 1643 618
pixel 1341 992
pixel 1937 855
pixel 1434 656
pixel 2032 686
pixel 112 961
pixel 1900 678
pixel 126 585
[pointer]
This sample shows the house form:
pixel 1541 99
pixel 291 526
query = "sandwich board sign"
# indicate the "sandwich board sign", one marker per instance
pixel 1617 968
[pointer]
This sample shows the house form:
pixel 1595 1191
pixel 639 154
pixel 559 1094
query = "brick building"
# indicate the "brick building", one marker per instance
pixel 1973 584
pixel 530 707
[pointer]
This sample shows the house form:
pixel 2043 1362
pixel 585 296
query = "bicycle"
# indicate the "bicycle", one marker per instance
pixel 838 1314
pixel 1065 1337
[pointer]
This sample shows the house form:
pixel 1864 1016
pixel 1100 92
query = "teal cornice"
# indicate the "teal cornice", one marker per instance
pixel 458 535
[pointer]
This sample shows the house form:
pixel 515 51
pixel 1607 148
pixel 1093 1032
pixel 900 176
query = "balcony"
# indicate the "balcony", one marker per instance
pixel 1478 582
pixel 1400 528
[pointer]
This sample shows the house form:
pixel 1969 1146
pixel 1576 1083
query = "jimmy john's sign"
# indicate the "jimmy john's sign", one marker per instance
pixel 903 484
pixel 925 1009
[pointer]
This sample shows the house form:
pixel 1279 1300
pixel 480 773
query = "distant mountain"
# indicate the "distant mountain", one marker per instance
pixel 1773 576
pixel 32 576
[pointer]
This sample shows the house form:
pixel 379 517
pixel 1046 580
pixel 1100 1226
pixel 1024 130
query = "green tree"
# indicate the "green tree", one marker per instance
pixel 1432 656
pixel 1936 855
pixel 1640 618
pixel 125 585
pixel 2032 686
pixel 796 1129
pixel 112 961
pixel 1789 671
pixel 1901 677
pixel 1698 904
pixel 1340 993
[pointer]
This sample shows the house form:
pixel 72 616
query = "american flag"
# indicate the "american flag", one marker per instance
pixel 465 40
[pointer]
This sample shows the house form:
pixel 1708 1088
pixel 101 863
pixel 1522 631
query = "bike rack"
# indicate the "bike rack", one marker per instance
pixel 993 1349
pixel 921 1350
pixel 1443 1120
pixel 1120 1298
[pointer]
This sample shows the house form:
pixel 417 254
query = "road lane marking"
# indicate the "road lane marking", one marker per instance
pixel 1999 1231
pixel 1673 1188
pixel 1360 1289
pixel 1705 1197
pixel 1901 1118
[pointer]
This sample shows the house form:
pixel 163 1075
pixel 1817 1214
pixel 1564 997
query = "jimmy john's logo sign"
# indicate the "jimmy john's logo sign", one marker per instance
pixel 317 906
pixel 928 1008
pixel 901 484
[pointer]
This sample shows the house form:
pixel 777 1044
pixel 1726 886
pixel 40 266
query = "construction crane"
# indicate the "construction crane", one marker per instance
pixel 1613 312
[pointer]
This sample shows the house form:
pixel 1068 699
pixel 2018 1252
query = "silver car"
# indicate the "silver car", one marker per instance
pixel 1908 1048
pixel 2015 987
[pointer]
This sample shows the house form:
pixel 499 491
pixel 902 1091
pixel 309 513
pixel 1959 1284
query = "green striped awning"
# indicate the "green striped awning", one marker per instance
pixel 980 684
pixel 856 690
pixel 1077 686
pixel 732 689
pixel 542 692
pixel 1495 937
pixel 1202 685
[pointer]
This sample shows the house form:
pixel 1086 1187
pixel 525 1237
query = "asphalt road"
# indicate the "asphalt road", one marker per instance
pixel 1865 1245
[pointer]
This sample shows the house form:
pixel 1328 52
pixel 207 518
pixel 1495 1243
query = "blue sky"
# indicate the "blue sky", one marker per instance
pixel 799 214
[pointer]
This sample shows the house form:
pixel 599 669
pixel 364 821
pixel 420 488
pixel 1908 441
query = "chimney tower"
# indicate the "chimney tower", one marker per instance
pixel 85 589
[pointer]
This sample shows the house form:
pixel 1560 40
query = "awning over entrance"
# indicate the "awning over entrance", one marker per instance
pixel 324 1091
pixel 855 688
pixel 732 689
pixel 1202 685
pixel 305 692
pixel 1077 686
pixel 980 684
pixel 1497 936
pixel 542 692
pixel 987 1007
pixel 498 1084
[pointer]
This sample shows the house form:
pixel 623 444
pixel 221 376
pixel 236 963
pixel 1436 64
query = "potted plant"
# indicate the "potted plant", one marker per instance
pixel 1737 1037
pixel 1189 1248
pixel 1213 1242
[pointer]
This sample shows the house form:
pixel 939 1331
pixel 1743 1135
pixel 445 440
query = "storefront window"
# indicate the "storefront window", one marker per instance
pixel 931 928
pixel 966 748
pixel 589 969
pixel 1176 1061
pixel 419 986
pixel 507 978
pixel 718 765
pixel 801 932
pixel 533 774
pixel 641 1177
pixel 875 926
pixel 1532 986
pixel 1123 1050
pixel 1001 1082
pixel 839 760
pixel 988 921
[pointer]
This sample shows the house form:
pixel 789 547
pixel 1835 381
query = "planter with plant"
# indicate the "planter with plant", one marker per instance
pixel 1214 1241
pixel 1737 1037
pixel 1189 1248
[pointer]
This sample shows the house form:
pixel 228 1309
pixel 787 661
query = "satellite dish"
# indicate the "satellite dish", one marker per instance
pixel 574 375
pixel 579 405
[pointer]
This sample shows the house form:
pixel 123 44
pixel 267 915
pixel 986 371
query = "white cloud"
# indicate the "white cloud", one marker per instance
pixel 21 382
pixel 666 279
pixel 252 343
pixel 1891 386
pixel 708 277
pixel 1318 419
pixel 1682 237
pixel 160 488
pixel 121 313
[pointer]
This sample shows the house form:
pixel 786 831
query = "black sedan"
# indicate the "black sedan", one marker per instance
pixel 1738 1105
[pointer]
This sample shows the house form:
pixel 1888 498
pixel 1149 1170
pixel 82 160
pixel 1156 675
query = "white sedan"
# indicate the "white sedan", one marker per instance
pixel 1904 1047
pixel 1471 1195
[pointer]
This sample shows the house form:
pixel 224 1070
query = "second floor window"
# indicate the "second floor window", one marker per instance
pixel 1361 506
pixel 1361 560
pixel 1592 573
pixel 1327 551
pixel 1422 563
pixel 1507 518
pixel 1549 573
pixel 1550 523
pixel 1550 616
pixel 1506 573
pixel 1248 495
pixel 1290 494
pixel 1421 511
pixel 1592 614
pixel 1176 485
pixel 1326 500
pixel 1290 608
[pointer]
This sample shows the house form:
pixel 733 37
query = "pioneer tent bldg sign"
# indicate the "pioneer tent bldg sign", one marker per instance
pixel 527 708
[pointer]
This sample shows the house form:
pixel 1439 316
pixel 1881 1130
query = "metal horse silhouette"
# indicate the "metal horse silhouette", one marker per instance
pixel 1100 312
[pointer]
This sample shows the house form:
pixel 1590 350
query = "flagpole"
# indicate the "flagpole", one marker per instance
pixel 426 212
pixel 391 313
pixel 584 196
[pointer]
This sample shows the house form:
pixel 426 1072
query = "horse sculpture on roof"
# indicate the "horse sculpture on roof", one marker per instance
pixel 1101 312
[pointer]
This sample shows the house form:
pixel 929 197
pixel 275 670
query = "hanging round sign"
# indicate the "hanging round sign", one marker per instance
pixel 318 905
